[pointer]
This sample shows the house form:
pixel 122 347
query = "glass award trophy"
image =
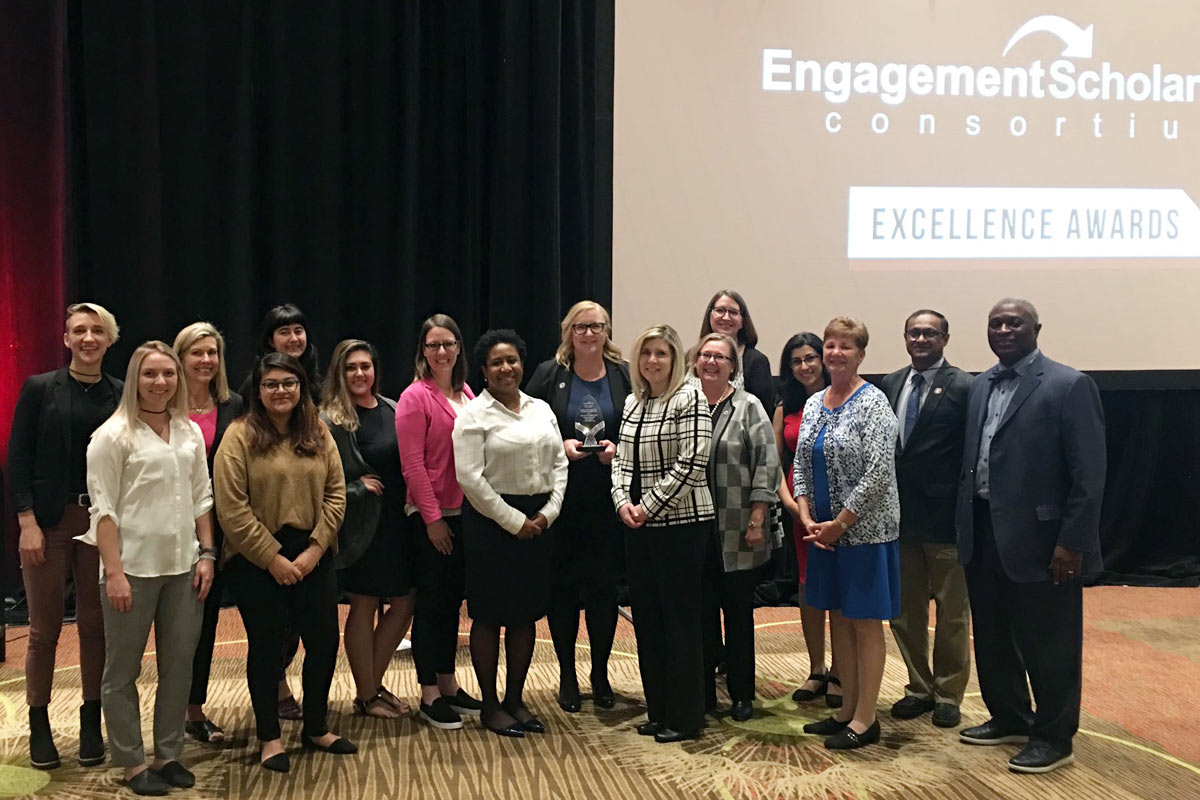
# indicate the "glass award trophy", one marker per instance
pixel 589 422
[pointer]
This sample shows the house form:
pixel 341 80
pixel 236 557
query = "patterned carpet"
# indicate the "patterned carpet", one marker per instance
pixel 1144 640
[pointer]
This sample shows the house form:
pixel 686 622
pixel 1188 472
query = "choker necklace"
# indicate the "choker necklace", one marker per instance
pixel 74 371
pixel 148 411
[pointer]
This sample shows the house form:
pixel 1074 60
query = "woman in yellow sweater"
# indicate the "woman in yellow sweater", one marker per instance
pixel 280 497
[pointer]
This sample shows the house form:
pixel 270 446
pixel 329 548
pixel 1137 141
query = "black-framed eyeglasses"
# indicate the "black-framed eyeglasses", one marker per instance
pixel 732 312
pixel 433 347
pixel 913 334
pixel 810 360
pixel 287 385
pixel 712 357
pixel 594 327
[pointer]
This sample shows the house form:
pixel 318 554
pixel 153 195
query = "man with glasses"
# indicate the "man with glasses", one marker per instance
pixel 930 400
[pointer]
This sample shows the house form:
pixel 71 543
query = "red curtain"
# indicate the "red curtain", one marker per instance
pixel 32 202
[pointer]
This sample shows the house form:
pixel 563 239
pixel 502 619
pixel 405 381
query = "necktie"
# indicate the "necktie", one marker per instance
pixel 914 406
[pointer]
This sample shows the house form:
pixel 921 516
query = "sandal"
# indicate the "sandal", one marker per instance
pixel 289 709
pixel 403 708
pixel 803 695
pixel 204 730
pixel 834 700
pixel 376 707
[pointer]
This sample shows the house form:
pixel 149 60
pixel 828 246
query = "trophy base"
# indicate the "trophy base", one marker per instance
pixel 590 448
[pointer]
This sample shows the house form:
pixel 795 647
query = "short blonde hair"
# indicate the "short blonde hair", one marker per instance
pixel 218 387
pixel 678 374
pixel 722 338
pixel 127 408
pixel 107 320
pixel 565 353
pixel 848 327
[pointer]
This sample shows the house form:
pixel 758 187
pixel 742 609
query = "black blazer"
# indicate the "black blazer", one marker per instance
pixel 40 446
pixel 756 375
pixel 364 509
pixel 1046 470
pixel 588 481
pixel 927 469
pixel 227 412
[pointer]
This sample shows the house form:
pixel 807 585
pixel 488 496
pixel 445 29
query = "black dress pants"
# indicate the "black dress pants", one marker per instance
pixel 202 660
pixel 311 606
pixel 1025 628
pixel 733 594
pixel 441 586
pixel 665 565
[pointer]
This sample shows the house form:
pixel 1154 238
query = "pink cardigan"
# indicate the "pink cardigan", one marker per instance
pixel 424 422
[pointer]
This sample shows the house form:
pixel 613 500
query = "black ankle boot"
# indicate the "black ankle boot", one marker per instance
pixel 91 741
pixel 42 752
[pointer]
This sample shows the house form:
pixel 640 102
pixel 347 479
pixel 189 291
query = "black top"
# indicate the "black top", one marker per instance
pixel 376 438
pixel 756 374
pixel 91 404
pixel 44 443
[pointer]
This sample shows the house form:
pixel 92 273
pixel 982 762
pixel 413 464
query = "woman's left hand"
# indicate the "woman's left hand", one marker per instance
pixel 202 580
pixel 824 534
pixel 306 562
pixel 608 453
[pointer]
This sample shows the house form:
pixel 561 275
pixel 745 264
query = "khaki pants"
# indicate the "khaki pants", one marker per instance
pixel 170 603
pixel 933 569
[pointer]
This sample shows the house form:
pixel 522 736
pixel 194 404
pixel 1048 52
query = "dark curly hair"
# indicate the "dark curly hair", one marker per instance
pixel 492 338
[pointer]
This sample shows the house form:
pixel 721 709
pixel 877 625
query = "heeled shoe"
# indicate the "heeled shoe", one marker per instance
pixel 602 693
pixel 648 728
pixel 338 747
pixel 568 698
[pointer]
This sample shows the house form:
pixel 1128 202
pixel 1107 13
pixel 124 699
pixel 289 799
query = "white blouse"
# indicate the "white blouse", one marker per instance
pixel 497 451
pixel 153 490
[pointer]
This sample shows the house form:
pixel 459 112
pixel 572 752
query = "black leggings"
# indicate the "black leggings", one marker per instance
pixel 311 606
pixel 440 583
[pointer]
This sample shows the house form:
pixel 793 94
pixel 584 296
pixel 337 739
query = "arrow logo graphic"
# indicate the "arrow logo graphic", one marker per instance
pixel 1078 40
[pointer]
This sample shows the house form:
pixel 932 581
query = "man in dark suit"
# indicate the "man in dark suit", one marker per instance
pixel 930 401
pixel 1028 531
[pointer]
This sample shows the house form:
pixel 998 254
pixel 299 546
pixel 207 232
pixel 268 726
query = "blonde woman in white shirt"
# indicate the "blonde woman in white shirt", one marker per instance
pixel 509 459
pixel 151 520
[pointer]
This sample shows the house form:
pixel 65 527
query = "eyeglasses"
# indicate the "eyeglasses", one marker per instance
pixel 913 334
pixel 726 311
pixel 287 385
pixel 810 360
pixel 584 327
pixel 433 347
pixel 712 357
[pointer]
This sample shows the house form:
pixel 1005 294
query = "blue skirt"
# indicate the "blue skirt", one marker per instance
pixel 862 581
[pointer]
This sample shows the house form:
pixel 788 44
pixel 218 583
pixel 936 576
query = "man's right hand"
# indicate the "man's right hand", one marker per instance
pixel 440 536
pixel 32 546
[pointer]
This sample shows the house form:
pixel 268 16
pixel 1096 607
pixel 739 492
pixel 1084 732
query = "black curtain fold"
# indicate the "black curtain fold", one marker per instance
pixel 371 162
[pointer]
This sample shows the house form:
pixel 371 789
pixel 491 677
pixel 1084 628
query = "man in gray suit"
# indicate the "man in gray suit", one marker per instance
pixel 930 401
pixel 1028 531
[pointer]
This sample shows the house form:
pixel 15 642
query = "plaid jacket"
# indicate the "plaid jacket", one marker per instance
pixel 743 468
pixel 673 435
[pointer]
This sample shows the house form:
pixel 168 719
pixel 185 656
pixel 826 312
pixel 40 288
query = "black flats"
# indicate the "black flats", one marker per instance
pixel 847 739
pixel 568 696
pixel 277 763
pixel 803 695
pixel 338 747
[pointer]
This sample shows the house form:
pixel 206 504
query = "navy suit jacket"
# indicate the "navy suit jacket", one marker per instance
pixel 929 466
pixel 1045 472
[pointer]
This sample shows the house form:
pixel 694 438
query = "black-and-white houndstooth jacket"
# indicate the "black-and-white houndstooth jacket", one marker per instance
pixel 673 433
pixel 743 468
pixel 860 457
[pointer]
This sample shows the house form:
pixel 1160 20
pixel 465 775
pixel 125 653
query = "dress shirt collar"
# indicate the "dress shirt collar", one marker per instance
pixel 1020 368
pixel 525 401
pixel 927 373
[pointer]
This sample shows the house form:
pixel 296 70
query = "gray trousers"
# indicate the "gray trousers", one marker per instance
pixel 170 603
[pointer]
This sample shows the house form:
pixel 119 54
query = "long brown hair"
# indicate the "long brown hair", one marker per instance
pixel 748 335
pixel 305 429
pixel 421 370
pixel 337 404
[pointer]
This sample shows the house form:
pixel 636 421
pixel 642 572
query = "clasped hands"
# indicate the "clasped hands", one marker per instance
pixel 821 534
pixel 634 516
pixel 533 526
pixel 288 573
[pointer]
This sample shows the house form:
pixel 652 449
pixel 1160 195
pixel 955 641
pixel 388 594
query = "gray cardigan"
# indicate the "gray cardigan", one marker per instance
pixel 743 467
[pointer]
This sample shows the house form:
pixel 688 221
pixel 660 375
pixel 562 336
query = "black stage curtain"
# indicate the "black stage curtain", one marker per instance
pixel 371 162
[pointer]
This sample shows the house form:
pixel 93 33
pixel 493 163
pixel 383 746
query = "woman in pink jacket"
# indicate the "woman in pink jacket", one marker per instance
pixel 425 417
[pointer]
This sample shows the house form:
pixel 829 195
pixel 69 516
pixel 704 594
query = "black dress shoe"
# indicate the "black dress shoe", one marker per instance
pixel 602 693
pixel 338 747
pixel 910 707
pixel 668 736
pixel 991 733
pixel 515 731
pixel 947 715
pixel 277 763
pixel 1039 758
pixel 148 783
pixel 568 697
pixel 532 725
pixel 648 728
pixel 825 727
pixel 847 739
pixel 742 710
pixel 177 775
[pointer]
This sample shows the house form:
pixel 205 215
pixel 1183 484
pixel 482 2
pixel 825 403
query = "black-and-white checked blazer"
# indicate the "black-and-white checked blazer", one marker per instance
pixel 674 434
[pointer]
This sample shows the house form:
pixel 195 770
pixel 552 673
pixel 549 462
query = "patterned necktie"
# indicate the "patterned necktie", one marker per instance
pixel 914 406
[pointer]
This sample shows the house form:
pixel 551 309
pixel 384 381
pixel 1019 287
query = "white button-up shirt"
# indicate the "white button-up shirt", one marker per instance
pixel 153 490
pixel 497 451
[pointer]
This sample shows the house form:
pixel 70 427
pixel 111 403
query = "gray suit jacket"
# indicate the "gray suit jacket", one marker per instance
pixel 1046 470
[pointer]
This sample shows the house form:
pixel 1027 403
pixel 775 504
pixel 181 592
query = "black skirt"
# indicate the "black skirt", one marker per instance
pixel 385 569
pixel 508 579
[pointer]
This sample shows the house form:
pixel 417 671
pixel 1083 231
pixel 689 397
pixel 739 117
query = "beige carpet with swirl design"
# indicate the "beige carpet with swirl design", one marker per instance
pixel 1139 736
